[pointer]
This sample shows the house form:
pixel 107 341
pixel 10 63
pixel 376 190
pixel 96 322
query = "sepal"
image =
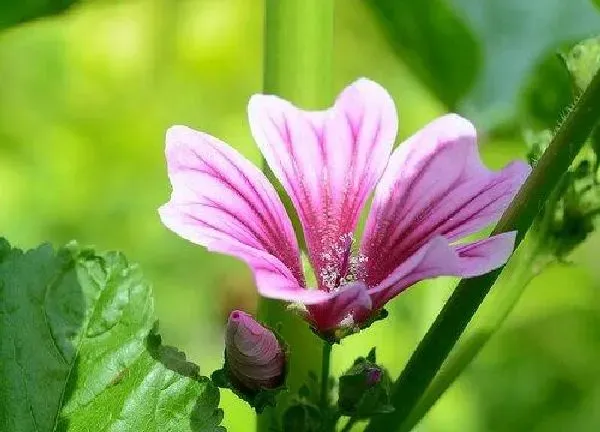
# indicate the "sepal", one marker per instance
pixel 365 389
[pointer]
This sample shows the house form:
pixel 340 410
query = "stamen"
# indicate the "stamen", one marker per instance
pixel 346 327
pixel 357 267
pixel 339 267
pixel 347 322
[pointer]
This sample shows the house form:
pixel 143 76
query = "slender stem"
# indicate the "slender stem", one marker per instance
pixel 523 266
pixel 298 47
pixel 441 337
pixel 530 259
pixel 325 362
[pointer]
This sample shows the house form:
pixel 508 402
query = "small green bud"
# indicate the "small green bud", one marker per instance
pixel 365 389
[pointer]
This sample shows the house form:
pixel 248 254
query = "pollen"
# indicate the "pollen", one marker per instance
pixel 339 265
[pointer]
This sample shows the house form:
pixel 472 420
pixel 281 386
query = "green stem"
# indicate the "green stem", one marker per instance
pixel 325 362
pixel 530 259
pixel 298 48
pixel 298 55
pixel 523 266
pixel 441 337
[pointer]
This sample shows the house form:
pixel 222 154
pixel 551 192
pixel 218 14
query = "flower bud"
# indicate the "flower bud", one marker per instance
pixel 364 390
pixel 373 376
pixel 254 358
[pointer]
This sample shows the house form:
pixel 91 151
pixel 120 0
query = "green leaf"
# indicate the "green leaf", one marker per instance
pixel 475 55
pixel 433 41
pixel 515 35
pixel 19 11
pixel 79 350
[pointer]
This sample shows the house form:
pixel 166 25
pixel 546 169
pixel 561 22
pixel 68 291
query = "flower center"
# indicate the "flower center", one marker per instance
pixel 339 266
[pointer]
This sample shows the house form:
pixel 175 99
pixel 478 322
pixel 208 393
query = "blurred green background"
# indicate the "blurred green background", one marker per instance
pixel 87 94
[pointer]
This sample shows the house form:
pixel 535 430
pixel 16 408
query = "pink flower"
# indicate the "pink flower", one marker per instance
pixel 253 355
pixel 429 193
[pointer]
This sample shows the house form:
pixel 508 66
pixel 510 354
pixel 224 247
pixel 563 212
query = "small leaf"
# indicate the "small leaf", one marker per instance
pixel 79 350
pixel 372 356
pixel 259 400
pixel 583 61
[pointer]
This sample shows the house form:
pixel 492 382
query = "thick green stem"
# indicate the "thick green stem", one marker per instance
pixel 298 47
pixel 524 265
pixel 325 361
pixel 441 337
pixel 298 44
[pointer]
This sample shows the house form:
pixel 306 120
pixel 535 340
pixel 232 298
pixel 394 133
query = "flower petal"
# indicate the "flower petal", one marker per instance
pixel 483 256
pixel 221 201
pixel 349 301
pixel 328 161
pixel 435 185
pixel 439 258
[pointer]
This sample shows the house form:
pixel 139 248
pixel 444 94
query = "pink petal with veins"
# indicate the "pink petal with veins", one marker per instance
pixel 439 258
pixel 221 201
pixel 328 161
pixel 434 185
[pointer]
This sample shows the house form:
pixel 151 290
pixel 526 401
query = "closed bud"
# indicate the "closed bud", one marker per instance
pixel 364 389
pixel 255 361
pixel 253 355
pixel 374 376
